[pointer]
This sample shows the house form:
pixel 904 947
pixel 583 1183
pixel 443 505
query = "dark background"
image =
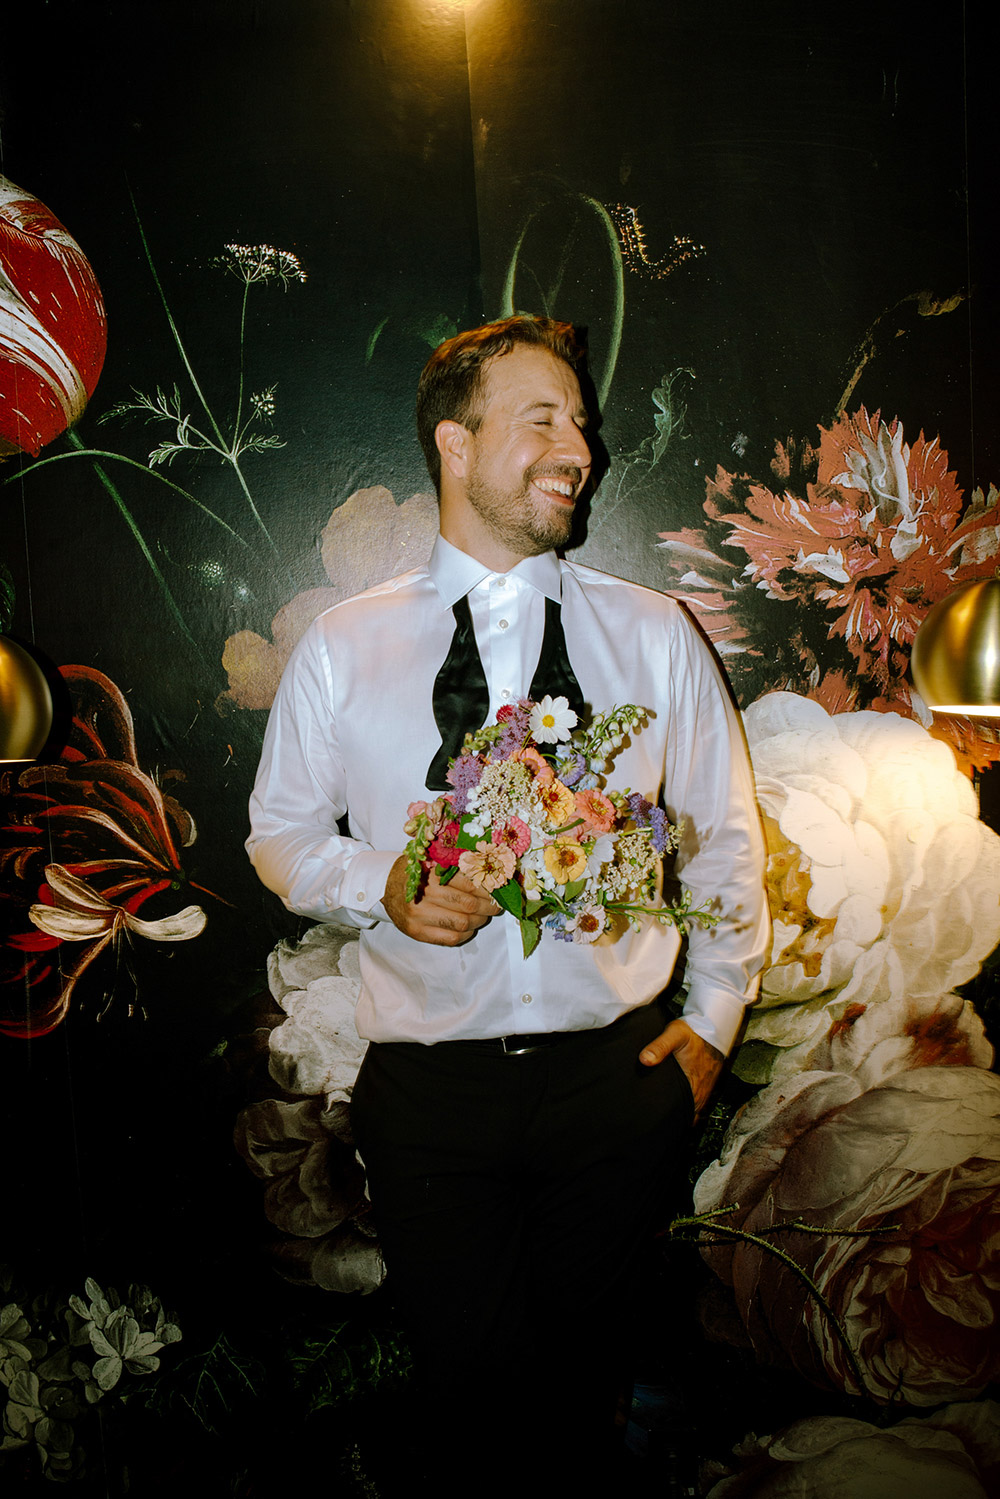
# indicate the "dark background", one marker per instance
pixel 833 165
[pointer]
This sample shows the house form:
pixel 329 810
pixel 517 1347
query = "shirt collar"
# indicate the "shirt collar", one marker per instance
pixel 455 574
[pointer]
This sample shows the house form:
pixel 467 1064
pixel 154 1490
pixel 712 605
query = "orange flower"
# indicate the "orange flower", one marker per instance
pixel 555 800
pixel 596 809
pixel 536 763
pixel 565 860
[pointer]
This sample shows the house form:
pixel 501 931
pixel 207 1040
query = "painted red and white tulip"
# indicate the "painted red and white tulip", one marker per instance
pixel 53 331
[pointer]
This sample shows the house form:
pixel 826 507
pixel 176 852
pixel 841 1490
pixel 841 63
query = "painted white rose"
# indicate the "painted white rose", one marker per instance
pixel 914 1163
pixel 883 882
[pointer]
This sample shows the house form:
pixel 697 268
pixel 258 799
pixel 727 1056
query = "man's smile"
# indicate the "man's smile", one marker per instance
pixel 560 487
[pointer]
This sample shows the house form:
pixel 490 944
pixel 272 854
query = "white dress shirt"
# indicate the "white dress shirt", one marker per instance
pixel 352 729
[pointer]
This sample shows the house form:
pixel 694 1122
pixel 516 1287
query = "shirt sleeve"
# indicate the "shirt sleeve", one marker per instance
pixel 721 858
pixel 299 797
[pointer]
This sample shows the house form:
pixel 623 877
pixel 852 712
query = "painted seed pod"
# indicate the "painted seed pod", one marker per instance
pixel 53 332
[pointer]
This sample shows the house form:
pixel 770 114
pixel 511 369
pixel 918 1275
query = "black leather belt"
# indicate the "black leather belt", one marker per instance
pixel 519 1046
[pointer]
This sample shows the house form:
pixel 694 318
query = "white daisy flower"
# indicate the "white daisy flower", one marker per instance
pixel 552 720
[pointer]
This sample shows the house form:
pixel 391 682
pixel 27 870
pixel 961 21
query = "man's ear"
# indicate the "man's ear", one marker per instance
pixel 453 443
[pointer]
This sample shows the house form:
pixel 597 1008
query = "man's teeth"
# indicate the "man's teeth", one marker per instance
pixel 556 486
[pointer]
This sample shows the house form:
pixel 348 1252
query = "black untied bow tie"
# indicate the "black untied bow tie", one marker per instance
pixel 462 698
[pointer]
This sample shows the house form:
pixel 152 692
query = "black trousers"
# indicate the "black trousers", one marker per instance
pixel 515 1196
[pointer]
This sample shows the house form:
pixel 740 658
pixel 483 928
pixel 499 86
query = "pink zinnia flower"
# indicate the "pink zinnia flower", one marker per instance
pixel 489 865
pixel 596 809
pixel 515 834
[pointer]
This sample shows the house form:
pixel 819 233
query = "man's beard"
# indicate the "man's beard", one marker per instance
pixel 518 518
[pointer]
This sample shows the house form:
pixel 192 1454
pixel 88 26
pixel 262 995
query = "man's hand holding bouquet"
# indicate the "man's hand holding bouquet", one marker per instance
pixel 531 822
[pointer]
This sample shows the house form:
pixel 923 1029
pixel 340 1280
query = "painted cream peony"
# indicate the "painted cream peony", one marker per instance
pixel 913 1160
pixel 884 884
pixel 316 982
pixel 954 1454
pixel 301 1147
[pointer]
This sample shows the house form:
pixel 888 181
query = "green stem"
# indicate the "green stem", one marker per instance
pixel 618 277
pixel 223 445
pixel 249 499
pixel 618 315
pixel 143 468
pixel 744 1236
pixel 172 325
pixel 126 515
pixel 243 326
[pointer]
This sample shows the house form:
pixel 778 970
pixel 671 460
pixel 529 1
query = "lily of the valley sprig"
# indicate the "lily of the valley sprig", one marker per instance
pixel 531 821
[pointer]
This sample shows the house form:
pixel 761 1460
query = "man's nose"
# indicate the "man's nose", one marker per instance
pixel 573 446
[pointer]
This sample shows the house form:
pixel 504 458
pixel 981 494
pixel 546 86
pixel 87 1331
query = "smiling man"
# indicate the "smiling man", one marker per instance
pixel 519 1118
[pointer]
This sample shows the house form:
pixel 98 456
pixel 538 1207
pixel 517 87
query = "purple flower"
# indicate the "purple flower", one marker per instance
pixel 661 829
pixel 572 769
pixel 463 774
pixel 514 717
pixel 640 809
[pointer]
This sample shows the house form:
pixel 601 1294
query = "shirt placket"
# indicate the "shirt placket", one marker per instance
pixel 512 650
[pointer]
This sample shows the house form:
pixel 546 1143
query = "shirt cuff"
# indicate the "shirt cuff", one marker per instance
pixel 364 882
pixel 714 1016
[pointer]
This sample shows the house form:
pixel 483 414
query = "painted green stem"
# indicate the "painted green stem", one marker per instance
pixel 143 468
pixel 701 1226
pixel 223 448
pixel 618 277
pixel 129 520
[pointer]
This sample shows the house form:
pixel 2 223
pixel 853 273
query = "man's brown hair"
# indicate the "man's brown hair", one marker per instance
pixel 451 383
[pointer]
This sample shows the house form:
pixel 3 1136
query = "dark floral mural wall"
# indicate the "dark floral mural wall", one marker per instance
pixel 221 270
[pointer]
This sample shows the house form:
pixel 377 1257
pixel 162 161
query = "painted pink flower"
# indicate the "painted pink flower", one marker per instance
pixel 515 834
pixel 596 809
pixel 852 541
pixel 489 865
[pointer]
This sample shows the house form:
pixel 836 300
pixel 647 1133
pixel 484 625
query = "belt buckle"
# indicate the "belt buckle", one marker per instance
pixel 515 1051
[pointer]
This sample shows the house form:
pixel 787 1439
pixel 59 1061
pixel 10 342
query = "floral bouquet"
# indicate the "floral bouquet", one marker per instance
pixel 531 821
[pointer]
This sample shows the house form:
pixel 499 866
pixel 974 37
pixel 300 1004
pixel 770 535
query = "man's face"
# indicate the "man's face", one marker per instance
pixel 530 460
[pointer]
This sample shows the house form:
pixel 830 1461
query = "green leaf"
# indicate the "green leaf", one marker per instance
pixel 108 1371
pixel 511 897
pixel 573 889
pixel 531 935
pixel 465 840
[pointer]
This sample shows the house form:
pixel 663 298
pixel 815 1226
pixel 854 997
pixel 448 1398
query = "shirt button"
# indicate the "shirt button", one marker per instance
pixel 361 895
pixel 506 694
pixel 504 623
pixel 526 999
pixel 501 583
